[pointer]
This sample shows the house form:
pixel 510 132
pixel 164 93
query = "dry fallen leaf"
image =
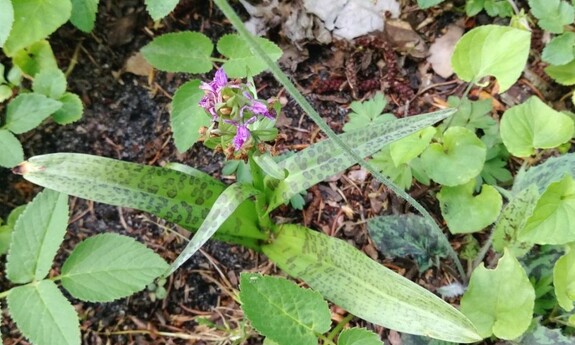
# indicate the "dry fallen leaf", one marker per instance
pixel 441 50
pixel 136 64
pixel 404 39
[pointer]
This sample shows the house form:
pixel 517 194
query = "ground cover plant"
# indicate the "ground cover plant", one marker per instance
pixel 464 158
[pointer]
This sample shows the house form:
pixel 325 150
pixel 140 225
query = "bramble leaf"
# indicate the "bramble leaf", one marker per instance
pixel 499 301
pixel 37 236
pixel 243 62
pixel 106 267
pixel 552 15
pixel 158 9
pixel 494 8
pixel 28 110
pixel 12 152
pixel 481 52
pixel 457 160
pixel 350 279
pixel 534 125
pixel 84 14
pixel 564 279
pixel 465 212
pixel 358 336
pixel 50 83
pixel 43 314
pixel 186 51
pixel 35 20
pixel 367 112
pixel 6 19
pixel 7 229
pixel 71 111
pixel 470 114
pixel 282 311
pixel 560 50
pixel 553 219
pixel 187 116
pixel 399 236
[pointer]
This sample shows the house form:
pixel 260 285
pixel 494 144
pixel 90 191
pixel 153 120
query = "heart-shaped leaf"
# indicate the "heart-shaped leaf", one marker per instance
pixel 564 279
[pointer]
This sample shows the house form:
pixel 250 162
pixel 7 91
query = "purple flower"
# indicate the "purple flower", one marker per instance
pixel 212 92
pixel 242 132
pixel 257 107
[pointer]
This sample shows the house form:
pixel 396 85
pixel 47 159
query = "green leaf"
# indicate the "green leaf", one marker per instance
pixel 358 336
pixel 35 20
pixel 404 150
pixel 12 152
pixel 71 111
pixel 398 236
pixel 494 8
pixel 492 50
pixel 499 301
pixel 457 160
pixel 5 92
pixel 544 174
pixel 6 19
pixel 513 219
pixel 180 52
pixel 465 212
pixel 28 110
pixel 84 14
pixel 325 158
pixel 106 267
pixel 367 112
pixel 175 196
pixel 243 62
pixel 269 166
pixel 348 278
pixel 428 3
pixel 553 219
pixel 43 314
pixel 564 279
pixel 560 50
pixel 158 9
pixel 563 74
pixel 7 229
pixel 534 125
pixel 542 335
pixel 50 83
pixel 187 116
pixel 552 14
pixel 400 175
pixel 495 168
pixel 37 236
pixel 282 311
pixel 409 339
pixel 35 58
pixel 227 202
pixel 470 114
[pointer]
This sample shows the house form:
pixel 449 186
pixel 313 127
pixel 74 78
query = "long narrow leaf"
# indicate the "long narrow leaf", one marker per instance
pixel 169 194
pixel 224 206
pixel 350 279
pixel 326 158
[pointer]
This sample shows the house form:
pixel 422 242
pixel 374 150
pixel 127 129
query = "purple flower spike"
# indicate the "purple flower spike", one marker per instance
pixel 242 135
pixel 220 79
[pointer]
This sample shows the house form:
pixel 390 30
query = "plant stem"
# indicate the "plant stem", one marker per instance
pixel 310 111
pixel 326 340
pixel 4 294
pixel 339 327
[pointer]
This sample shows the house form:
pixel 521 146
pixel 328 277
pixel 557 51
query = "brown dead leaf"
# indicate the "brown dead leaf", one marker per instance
pixel 404 39
pixel 441 50
pixel 136 64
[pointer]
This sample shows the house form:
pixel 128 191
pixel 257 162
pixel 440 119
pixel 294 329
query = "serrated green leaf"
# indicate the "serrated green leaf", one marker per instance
pixel 564 279
pixel 499 301
pixel 428 3
pixel 494 8
pixel 6 19
pixel 187 51
pixel 226 203
pixel 35 20
pixel 458 159
pixel 553 219
pixel 177 197
pixel 282 311
pixel 37 236
pixel 50 83
pixel 542 335
pixel 534 125
pixel 35 58
pixel 358 336
pixel 492 50
pixel 470 114
pixel 28 110
pixel 187 116
pixel 6 229
pixel 544 174
pixel 513 219
pixel 367 112
pixel 552 15
pixel 158 9
pixel 563 74
pixel 560 50
pixel 43 314
pixel 348 278
pixel 12 152
pixel 495 167
pixel 71 110
pixel 243 62
pixel 325 158
pixel 404 235
pixel 106 267
pixel 465 212
pixel 84 14
pixel 404 150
